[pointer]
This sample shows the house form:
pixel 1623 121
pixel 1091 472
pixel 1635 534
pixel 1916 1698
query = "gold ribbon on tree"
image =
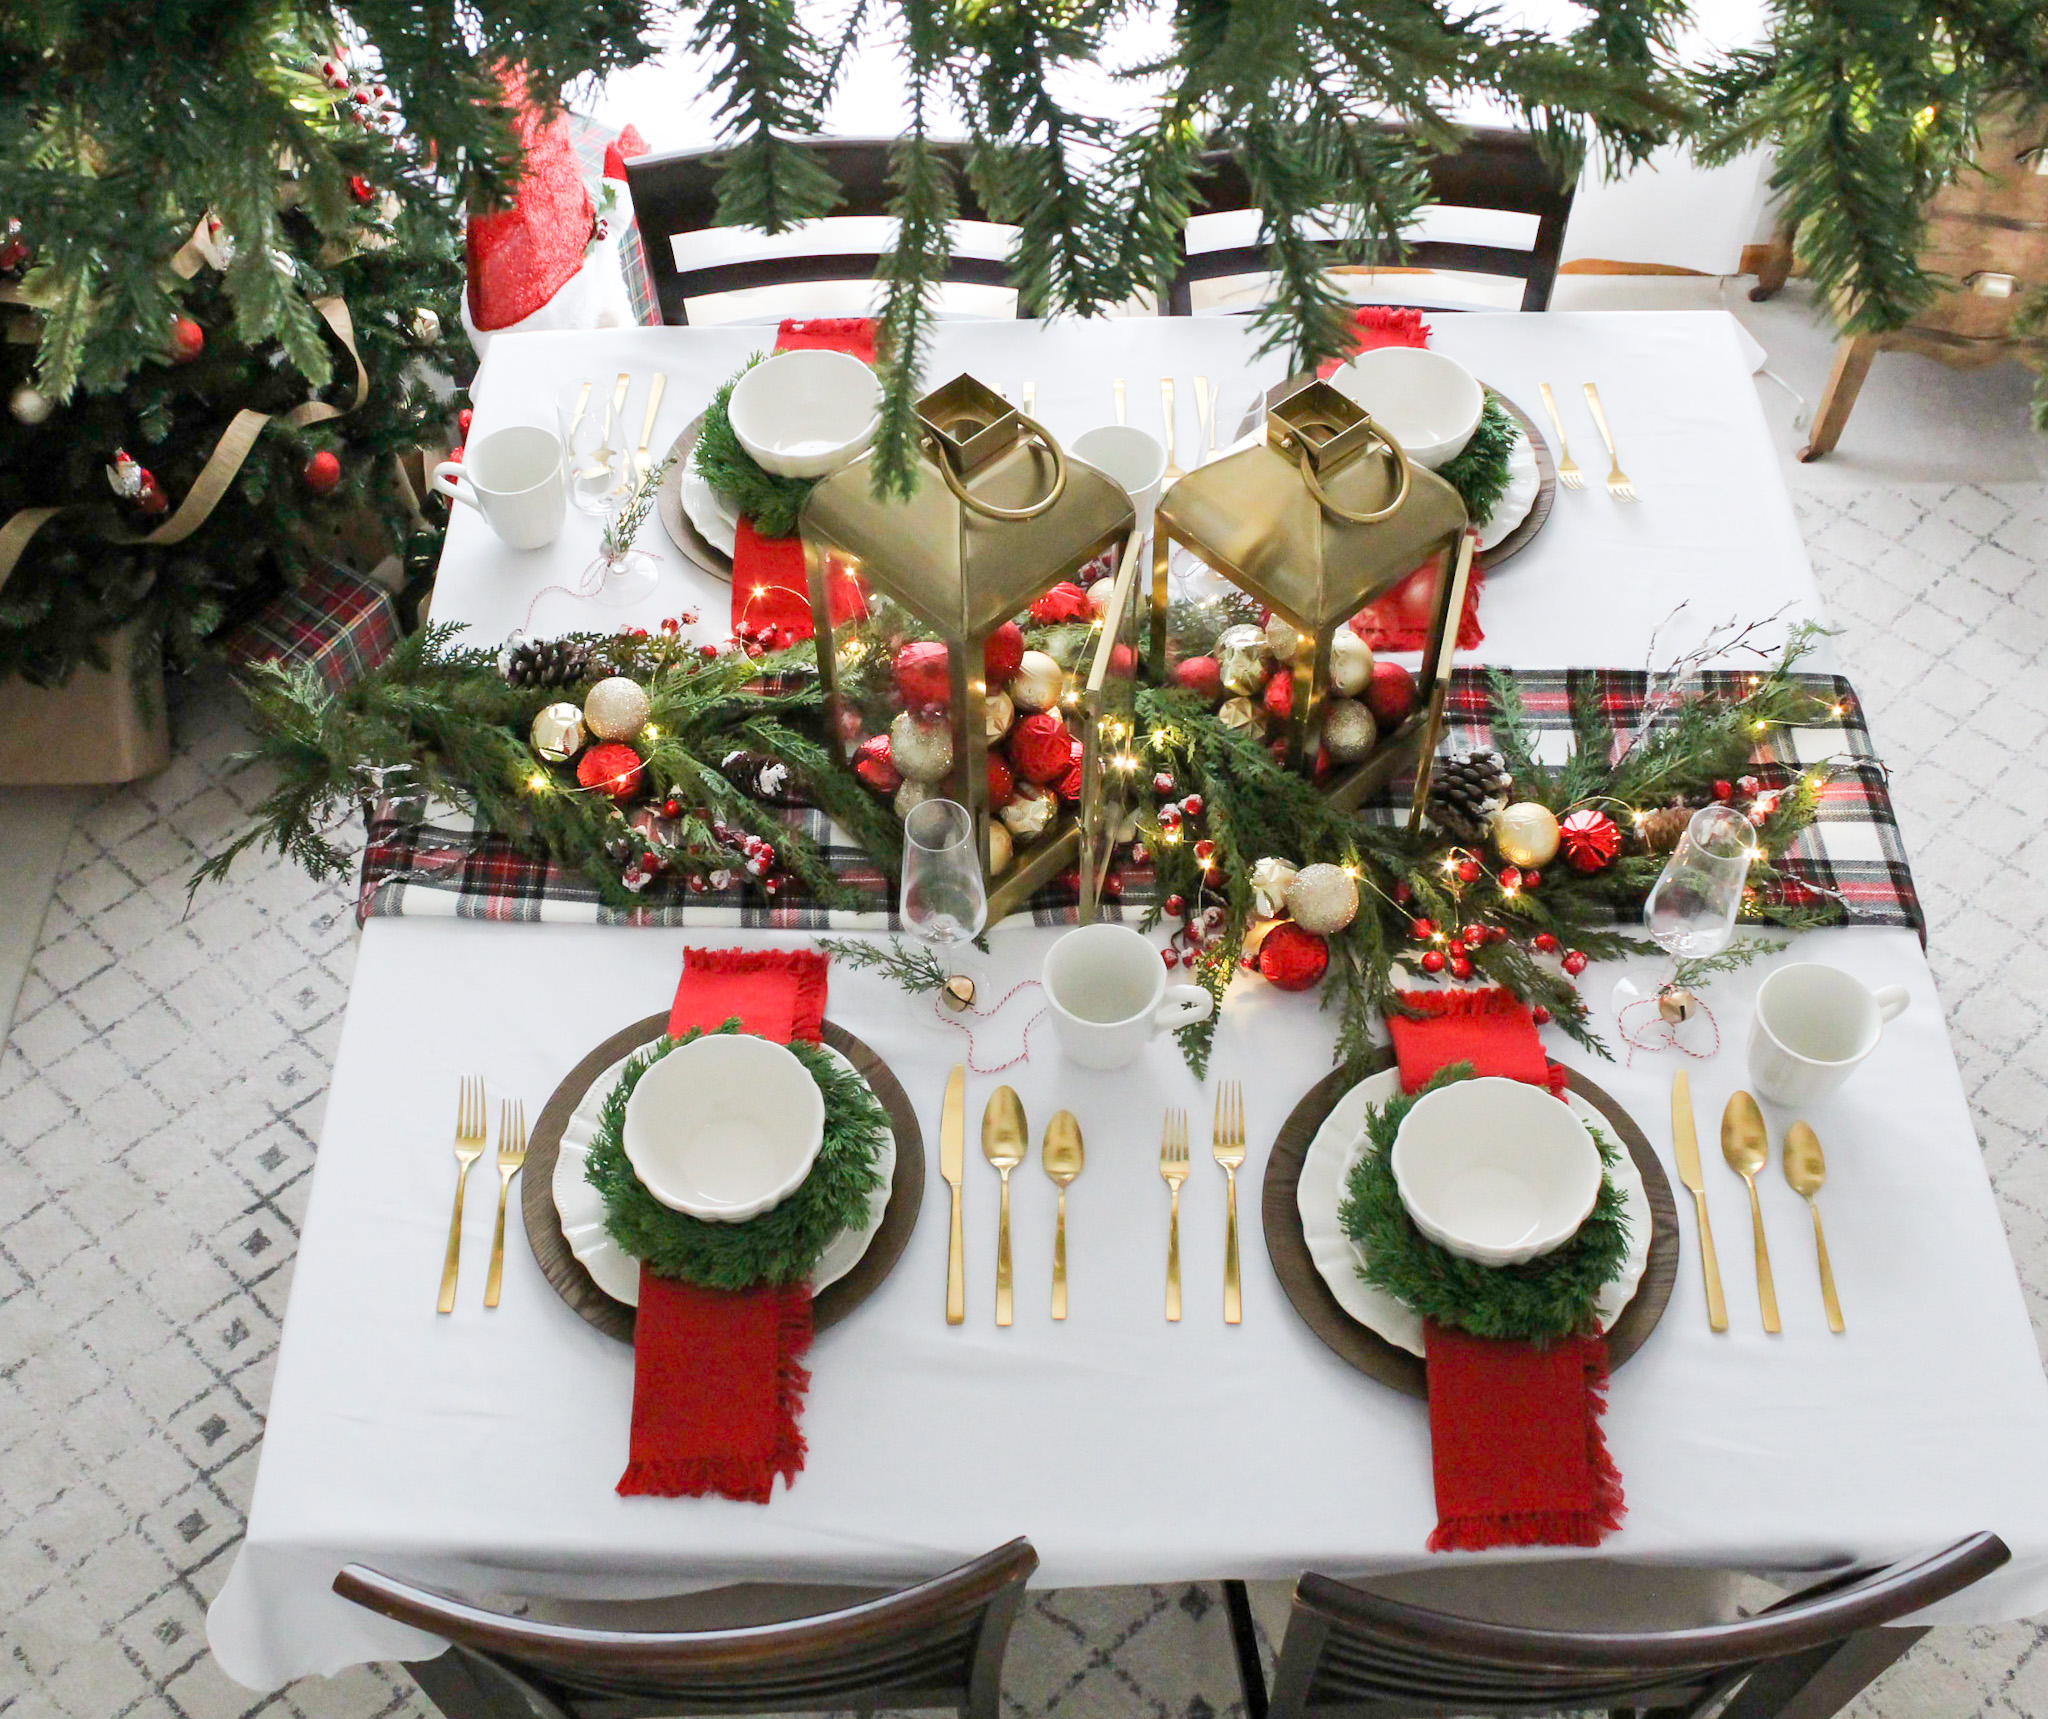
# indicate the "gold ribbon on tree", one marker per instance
pixel 214 477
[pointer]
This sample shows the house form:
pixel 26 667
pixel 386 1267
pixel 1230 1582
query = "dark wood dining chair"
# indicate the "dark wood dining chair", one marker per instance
pixel 939 1644
pixel 1497 174
pixel 1349 1653
pixel 676 196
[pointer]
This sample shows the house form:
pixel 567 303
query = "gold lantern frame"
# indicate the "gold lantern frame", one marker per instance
pixel 1325 514
pixel 1009 518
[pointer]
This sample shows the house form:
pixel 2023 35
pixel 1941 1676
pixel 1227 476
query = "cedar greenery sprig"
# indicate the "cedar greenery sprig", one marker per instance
pixel 917 971
pixel 783 1244
pixel 769 499
pixel 1480 472
pixel 1546 1299
pixel 621 532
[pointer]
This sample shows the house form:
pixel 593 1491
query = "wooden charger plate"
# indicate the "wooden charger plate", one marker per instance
pixel 614 1318
pixel 668 502
pixel 1371 1353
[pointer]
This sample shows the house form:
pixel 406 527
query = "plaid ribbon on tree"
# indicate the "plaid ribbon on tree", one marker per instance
pixel 439 865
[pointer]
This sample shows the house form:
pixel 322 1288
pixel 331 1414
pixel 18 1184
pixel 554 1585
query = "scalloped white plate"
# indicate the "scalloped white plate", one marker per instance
pixel 1525 482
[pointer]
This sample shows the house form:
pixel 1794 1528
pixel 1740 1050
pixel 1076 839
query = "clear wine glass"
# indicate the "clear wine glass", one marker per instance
pixel 944 901
pixel 1692 907
pixel 600 480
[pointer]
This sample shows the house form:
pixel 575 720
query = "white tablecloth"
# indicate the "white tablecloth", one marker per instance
pixel 479 1451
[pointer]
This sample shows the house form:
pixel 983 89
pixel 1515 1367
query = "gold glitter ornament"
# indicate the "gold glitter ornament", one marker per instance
pixel 1348 730
pixel 1323 898
pixel 615 708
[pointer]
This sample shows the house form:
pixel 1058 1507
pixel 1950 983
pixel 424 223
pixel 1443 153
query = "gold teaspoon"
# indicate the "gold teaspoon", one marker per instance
pixel 1062 1155
pixel 1005 1139
pixel 1746 1145
pixel 1806 1169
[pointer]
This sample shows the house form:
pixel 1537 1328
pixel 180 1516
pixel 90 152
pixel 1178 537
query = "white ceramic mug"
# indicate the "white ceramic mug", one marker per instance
pixel 1812 1026
pixel 1128 457
pixel 1106 990
pixel 514 479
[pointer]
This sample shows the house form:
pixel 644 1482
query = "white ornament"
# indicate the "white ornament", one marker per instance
pixel 910 796
pixel 1027 816
pixel 1038 682
pixel 615 708
pixel 1099 595
pixel 1350 663
pixel 1270 878
pixel 1349 730
pixel 921 751
pixel 999 712
pixel 426 326
pixel 1323 898
pixel 1001 850
pixel 1282 639
pixel 30 406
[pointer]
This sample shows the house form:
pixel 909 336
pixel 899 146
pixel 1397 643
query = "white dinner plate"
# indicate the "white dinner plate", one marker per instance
pixel 709 512
pixel 617 1272
pixel 1339 1144
pixel 1525 482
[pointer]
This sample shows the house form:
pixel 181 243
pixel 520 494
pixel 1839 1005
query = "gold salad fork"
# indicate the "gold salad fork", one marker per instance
pixel 1568 472
pixel 1226 1135
pixel 470 1121
pixel 511 1160
pixel 1618 485
pixel 1173 1166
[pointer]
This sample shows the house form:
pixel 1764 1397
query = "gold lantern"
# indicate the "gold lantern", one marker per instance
pixel 912 601
pixel 1316 521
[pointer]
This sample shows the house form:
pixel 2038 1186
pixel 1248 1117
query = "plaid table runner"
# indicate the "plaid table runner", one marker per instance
pixel 439 865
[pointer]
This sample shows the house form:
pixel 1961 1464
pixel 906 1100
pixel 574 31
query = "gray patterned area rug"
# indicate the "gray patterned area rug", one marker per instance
pixel 161 1092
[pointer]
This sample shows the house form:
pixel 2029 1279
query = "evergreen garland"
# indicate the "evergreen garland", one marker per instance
pixel 781 1245
pixel 769 499
pixel 1480 472
pixel 1547 1298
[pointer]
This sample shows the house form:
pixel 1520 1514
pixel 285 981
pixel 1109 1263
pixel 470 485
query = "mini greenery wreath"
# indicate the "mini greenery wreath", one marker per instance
pixel 1548 1298
pixel 782 1245
pixel 1480 472
pixel 771 501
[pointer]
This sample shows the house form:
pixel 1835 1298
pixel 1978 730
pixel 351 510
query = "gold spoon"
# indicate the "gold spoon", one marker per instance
pixel 1005 1139
pixel 1746 1144
pixel 1806 1169
pixel 1062 1156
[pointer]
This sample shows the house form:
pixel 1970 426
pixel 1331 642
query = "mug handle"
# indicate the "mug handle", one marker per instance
pixel 1182 1006
pixel 447 480
pixel 1891 1001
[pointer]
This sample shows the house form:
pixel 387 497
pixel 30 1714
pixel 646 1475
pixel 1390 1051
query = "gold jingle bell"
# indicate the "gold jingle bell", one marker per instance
pixel 959 992
pixel 1677 1004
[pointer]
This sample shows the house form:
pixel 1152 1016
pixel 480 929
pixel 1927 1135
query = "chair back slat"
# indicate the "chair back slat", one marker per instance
pixel 1353 1653
pixel 939 1643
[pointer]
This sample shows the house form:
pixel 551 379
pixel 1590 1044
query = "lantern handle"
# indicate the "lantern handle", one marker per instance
pixel 988 509
pixel 1308 477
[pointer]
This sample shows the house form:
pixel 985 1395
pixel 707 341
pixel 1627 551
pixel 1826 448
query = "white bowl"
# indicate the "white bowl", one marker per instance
pixel 806 414
pixel 1498 1171
pixel 724 1127
pixel 1425 402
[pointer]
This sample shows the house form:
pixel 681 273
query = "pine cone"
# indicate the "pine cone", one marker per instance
pixel 1464 794
pixel 544 662
pixel 1661 829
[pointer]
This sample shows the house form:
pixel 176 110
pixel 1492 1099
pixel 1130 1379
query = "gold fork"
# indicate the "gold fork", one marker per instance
pixel 1618 485
pixel 470 1121
pixel 1226 1135
pixel 1173 473
pixel 1568 472
pixel 1173 1166
pixel 1116 390
pixel 511 1160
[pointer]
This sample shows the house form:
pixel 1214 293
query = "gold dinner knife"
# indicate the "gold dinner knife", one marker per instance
pixel 952 1161
pixel 1686 1144
pixel 640 459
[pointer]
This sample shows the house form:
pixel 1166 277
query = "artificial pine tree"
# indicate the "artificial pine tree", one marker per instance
pixel 182 188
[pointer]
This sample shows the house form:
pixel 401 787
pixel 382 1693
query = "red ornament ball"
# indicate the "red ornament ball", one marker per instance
pixel 321 473
pixel 1123 661
pixel 873 765
pixel 1066 601
pixel 1468 871
pixel 1390 694
pixel 1292 958
pixel 1002 781
pixel 1041 749
pixel 1575 962
pixel 1590 839
pixel 1002 653
pixel 1724 790
pixel 611 768
pixel 188 340
pixel 1433 961
pixel 1200 676
pixel 1279 699
pixel 1545 942
pixel 671 808
pixel 1403 893
pixel 923 674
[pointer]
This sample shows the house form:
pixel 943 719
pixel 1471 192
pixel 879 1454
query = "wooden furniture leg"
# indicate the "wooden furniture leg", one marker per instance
pixel 1774 267
pixel 1819 1684
pixel 1838 398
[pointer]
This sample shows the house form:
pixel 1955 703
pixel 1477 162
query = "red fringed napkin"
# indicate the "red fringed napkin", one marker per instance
pixel 770 590
pixel 717 1376
pixel 1381 325
pixel 1514 1430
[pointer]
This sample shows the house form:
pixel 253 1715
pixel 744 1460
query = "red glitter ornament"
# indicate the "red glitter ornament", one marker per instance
pixel 1002 653
pixel 1041 749
pixel 1066 601
pixel 1575 962
pixel 1433 961
pixel 1002 782
pixel 1589 838
pixel 610 768
pixel 1279 699
pixel 1292 958
pixel 923 675
pixel 1390 695
pixel 1200 675
pixel 188 340
pixel 873 765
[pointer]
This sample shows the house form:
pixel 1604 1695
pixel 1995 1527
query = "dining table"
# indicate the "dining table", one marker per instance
pixel 478 1452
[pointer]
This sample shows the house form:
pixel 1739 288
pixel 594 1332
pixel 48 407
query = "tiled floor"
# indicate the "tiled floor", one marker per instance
pixel 149 1201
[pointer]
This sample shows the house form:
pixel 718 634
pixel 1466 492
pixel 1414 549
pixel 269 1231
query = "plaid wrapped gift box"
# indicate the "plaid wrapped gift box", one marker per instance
pixel 436 863
pixel 340 623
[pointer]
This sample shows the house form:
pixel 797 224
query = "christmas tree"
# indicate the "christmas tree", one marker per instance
pixel 228 276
